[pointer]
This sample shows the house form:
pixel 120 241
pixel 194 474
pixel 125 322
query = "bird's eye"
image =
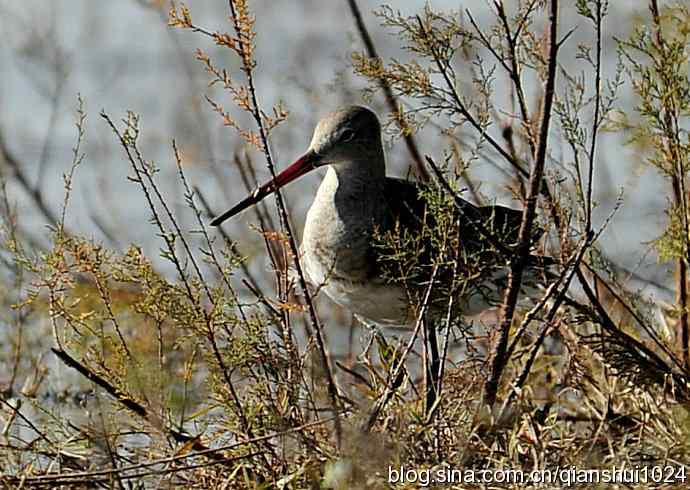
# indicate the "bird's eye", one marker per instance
pixel 347 135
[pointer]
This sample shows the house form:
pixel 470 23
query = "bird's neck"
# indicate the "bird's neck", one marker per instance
pixel 349 202
pixel 354 188
pixel 348 207
pixel 370 167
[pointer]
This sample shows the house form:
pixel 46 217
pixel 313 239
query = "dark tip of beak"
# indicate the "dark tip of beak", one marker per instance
pixel 300 167
pixel 238 208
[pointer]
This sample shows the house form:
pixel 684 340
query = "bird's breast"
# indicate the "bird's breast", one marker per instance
pixel 335 246
pixel 337 250
pixel 336 258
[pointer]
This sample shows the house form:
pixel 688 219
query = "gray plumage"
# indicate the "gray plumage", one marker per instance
pixel 356 205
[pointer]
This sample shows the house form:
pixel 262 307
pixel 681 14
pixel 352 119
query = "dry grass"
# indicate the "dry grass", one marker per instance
pixel 205 377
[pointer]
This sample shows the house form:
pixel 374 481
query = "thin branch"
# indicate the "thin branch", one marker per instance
pixel 282 211
pixel 679 195
pixel 596 123
pixel 520 260
pixel 567 276
pixel 564 277
pixel 514 71
pixel 410 142
pixel 233 246
pixel 395 378
pixel 460 104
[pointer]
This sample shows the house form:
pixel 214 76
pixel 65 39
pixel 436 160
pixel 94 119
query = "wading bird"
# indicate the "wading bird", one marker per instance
pixel 344 247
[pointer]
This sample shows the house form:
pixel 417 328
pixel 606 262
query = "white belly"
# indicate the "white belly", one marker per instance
pixel 380 303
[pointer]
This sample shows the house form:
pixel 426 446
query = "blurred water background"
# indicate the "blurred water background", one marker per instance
pixel 122 56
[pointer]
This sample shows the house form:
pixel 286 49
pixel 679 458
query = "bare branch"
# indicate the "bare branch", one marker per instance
pixel 519 261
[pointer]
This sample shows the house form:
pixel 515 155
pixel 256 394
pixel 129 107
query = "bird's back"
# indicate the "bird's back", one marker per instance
pixel 469 245
pixel 408 206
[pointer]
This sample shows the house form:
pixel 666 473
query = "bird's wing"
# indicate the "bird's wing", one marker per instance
pixel 408 207
pixel 405 203
pixel 408 218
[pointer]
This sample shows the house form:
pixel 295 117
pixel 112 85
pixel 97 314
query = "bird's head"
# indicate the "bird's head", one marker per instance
pixel 348 136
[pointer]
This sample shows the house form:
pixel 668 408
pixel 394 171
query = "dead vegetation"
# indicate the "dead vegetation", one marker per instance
pixel 206 376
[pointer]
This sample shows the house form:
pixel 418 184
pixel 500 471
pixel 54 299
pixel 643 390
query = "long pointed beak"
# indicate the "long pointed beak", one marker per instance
pixel 301 166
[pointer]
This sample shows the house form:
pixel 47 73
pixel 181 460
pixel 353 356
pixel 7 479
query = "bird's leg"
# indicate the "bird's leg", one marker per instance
pixel 432 363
